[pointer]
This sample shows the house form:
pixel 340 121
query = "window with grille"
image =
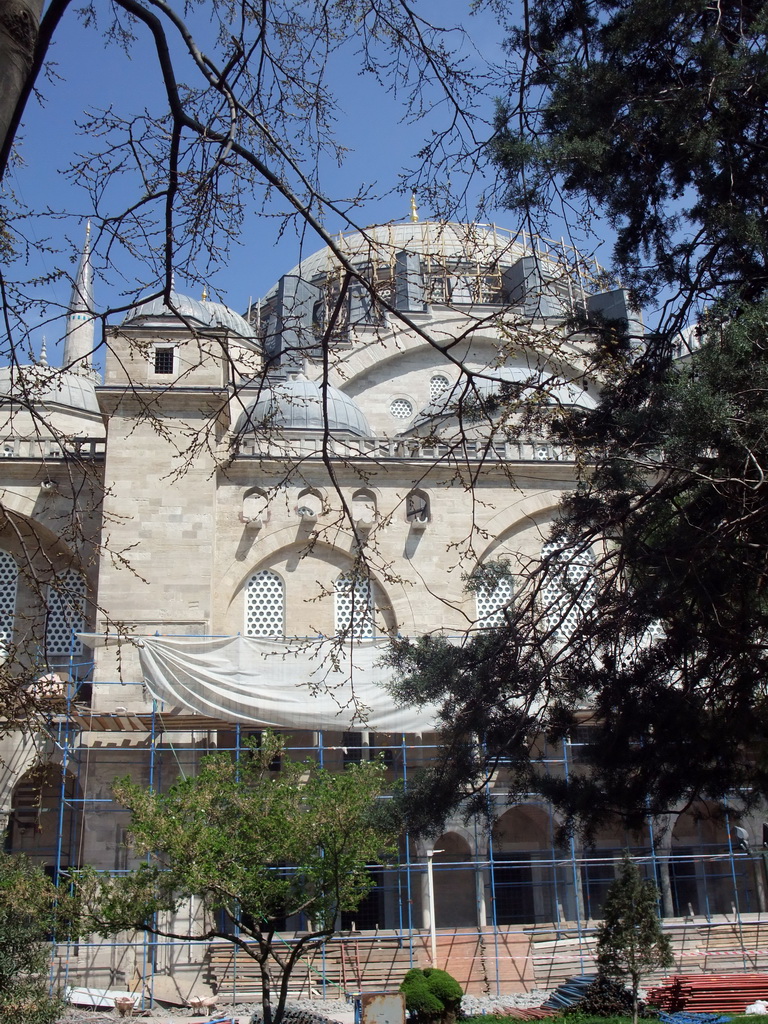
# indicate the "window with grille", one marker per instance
pixel 65 614
pixel 491 601
pixel 354 608
pixel 437 385
pixel 401 409
pixel 265 605
pixel 568 588
pixel 9 578
pixel 164 359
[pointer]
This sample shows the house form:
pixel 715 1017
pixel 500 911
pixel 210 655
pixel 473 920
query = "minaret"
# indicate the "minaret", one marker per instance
pixel 79 340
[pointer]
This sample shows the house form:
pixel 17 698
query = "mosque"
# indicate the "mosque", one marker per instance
pixel 221 533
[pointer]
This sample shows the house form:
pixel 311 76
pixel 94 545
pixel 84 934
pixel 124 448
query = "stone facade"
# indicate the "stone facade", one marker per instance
pixel 223 479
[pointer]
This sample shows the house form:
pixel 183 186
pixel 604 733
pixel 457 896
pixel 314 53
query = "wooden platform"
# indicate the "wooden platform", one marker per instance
pixel 344 966
pixel 698 948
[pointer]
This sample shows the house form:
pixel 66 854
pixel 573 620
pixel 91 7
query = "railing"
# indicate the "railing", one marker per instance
pixel 304 446
pixel 86 449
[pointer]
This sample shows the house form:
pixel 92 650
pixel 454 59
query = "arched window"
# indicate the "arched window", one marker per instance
pixel 65 614
pixel 490 601
pixel 438 385
pixel 568 587
pixel 354 608
pixel 265 605
pixel 9 578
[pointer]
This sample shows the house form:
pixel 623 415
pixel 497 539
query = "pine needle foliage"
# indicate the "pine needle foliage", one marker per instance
pixel 630 940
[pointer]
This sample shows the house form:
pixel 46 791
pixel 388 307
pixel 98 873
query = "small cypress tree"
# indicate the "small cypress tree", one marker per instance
pixel 630 941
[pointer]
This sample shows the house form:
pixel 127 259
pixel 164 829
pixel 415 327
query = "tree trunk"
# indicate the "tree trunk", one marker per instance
pixel 266 992
pixel 19 23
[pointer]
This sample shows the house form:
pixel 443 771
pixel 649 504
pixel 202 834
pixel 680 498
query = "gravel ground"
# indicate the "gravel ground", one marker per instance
pixel 305 1011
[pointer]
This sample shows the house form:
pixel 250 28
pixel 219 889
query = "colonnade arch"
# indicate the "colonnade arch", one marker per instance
pixel 525 884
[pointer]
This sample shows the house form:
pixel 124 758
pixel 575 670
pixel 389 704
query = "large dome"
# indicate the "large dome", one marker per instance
pixel 46 385
pixel 439 242
pixel 198 312
pixel 300 404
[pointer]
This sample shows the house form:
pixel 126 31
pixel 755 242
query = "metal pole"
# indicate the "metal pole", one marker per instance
pixel 431 896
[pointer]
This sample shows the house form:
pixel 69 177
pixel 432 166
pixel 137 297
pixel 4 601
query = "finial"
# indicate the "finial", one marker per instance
pixel 79 338
pixel 43 360
pixel 205 293
pixel 414 209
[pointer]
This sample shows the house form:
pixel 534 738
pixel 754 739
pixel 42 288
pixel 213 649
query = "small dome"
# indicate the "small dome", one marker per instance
pixel 199 313
pixel 298 405
pixel 46 385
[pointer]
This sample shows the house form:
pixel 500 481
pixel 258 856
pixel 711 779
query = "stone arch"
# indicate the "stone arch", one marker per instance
pixel 598 861
pixel 45 813
pixel 701 880
pixel 52 582
pixel 525 882
pixel 310 583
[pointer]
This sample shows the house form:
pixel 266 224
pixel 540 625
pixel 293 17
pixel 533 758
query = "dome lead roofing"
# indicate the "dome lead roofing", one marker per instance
pixel 301 405
pixel 202 313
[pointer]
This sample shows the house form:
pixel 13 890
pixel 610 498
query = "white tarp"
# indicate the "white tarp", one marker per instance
pixel 299 684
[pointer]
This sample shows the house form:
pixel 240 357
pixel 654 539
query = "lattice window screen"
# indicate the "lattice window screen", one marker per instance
pixel 568 588
pixel 9 578
pixel 354 608
pixel 401 408
pixel 66 614
pixel 490 603
pixel 265 605
pixel 437 385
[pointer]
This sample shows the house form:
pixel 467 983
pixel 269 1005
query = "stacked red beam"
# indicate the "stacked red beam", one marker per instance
pixel 709 993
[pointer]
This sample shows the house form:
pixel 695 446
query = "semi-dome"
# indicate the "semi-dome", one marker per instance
pixel 301 404
pixel 451 402
pixel 39 384
pixel 198 312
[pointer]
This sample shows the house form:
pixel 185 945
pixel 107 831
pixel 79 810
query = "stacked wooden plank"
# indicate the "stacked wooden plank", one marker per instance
pixel 348 965
pixel 365 963
pixel 721 946
pixel 709 993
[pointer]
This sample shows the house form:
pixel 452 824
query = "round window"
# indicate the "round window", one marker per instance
pixel 401 409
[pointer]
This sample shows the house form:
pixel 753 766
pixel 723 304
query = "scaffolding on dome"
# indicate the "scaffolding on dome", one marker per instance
pixel 513 910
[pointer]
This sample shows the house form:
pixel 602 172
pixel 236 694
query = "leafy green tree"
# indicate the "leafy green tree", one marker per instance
pixel 31 908
pixel 630 942
pixel 254 845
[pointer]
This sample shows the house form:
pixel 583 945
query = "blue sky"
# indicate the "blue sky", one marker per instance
pixel 90 73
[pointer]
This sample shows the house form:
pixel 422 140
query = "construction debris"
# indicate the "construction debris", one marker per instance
pixel 569 993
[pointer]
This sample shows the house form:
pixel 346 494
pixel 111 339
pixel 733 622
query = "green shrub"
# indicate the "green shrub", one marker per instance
pixel 431 995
